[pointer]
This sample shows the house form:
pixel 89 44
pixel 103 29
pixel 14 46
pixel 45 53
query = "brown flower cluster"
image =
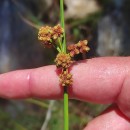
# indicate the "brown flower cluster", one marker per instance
pixel 49 35
pixel 66 78
pixel 57 32
pixel 64 61
pixel 80 47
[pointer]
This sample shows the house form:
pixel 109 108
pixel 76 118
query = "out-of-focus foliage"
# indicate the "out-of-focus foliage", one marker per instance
pixel 80 8
pixel 32 116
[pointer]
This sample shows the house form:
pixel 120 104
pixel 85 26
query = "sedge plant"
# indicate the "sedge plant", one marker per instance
pixel 54 37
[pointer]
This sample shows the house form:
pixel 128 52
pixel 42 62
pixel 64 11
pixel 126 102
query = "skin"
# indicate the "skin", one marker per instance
pixel 99 80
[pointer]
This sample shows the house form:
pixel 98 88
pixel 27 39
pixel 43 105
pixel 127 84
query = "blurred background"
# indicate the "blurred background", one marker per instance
pixel 104 23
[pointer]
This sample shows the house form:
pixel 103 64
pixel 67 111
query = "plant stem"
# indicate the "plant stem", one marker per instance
pixel 66 100
pixel 66 115
pixel 37 102
pixel 63 24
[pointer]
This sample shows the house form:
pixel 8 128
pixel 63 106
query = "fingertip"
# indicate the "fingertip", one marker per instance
pixel 14 84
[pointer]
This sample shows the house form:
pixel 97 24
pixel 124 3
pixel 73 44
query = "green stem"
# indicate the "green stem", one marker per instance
pixel 66 115
pixel 66 100
pixel 60 44
pixel 63 24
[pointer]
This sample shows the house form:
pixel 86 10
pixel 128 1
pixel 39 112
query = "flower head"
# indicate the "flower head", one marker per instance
pixel 65 78
pixel 72 48
pixel 82 45
pixel 49 35
pixel 63 60
pixel 57 32
pixel 45 35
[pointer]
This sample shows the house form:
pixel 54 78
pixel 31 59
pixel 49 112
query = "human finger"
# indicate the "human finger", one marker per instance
pixel 112 119
pixel 99 80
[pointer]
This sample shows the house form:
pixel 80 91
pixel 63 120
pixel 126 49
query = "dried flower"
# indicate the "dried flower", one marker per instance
pixel 63 60
pixel 82 45
pixel 72 48
pixel 57 32
pixel 66 78
pixel 45 35
pixel 49 35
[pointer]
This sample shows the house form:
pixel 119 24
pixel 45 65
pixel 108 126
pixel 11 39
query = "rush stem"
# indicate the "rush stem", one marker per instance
pixel 66 97
pixel 66 114
pixel 63 24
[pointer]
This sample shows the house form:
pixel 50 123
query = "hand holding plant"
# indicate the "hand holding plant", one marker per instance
pixel 55 37
pixel 88 85
pixel 92 81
